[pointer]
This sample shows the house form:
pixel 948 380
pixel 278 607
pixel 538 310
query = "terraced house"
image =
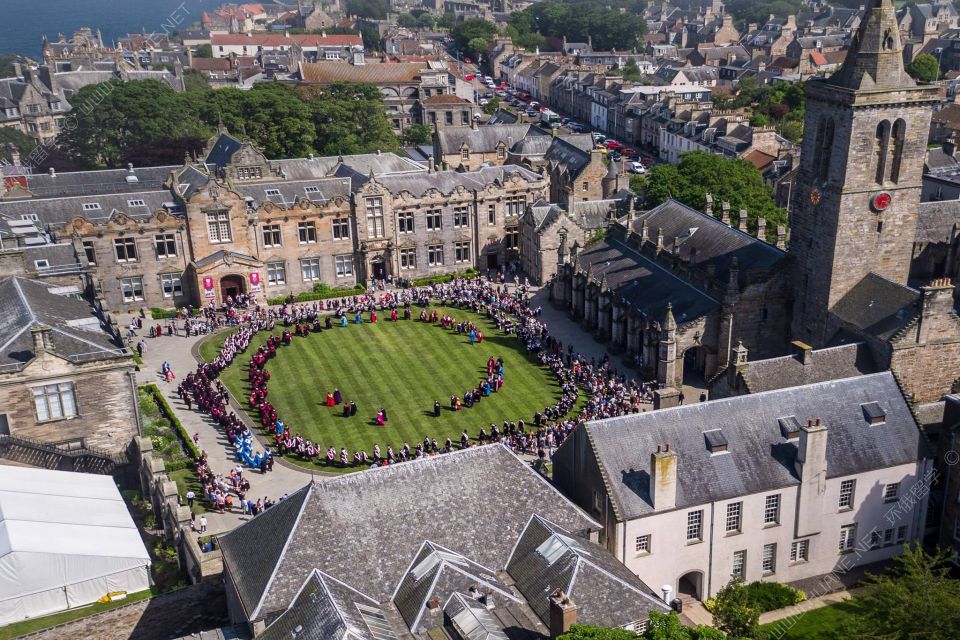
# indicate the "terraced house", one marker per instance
pixel 238 222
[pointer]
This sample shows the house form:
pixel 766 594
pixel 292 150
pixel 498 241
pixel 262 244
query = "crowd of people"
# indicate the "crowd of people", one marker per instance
pixel 608 391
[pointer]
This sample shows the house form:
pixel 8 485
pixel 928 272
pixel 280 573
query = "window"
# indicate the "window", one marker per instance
pixel 769 564
pixel 435 254
pixel 309 190
pixel 434 220
pixel 408 258
pixel 307 232
pixel 800 551
pixel 585 186
pixel 876 538
pixel 465 155
pixel 310 269
pixel 888 537
pixel 461 251
pixel 823 149
pixel 899 134
pixel 891 491
pixel 344 266
pixel 126 249
pixel 276 273
pixel 375 217
pixel 91 206
pixel 491 214
pixel 461 216
pixel 341 228
pixel 643 544
pixel 218 226
pixel 30 216
pixel 881 146
pixel 170 282
pixel 771 509
pixel 739 563
pixel 405 222
pixel 515 205
pixel 734 516
pixel 695 526
pixel 90 251
pixel 511 238
pixel 41 264
pixel 272 192
pixel 501 153
pixel 901 534
pixel 249 173
pixel 55 401
pixel 846 494
pixel 132 289
pixel 271 235
pixel 448 117
pixel 848 537
pixel 136 203
pixel 166 245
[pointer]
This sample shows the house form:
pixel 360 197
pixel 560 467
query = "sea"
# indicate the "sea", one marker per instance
pixel 24 22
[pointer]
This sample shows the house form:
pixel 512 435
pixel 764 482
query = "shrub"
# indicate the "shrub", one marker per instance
pixel 168 413
pixel 443 278
pixel 765 596
pixel 162 314
pixel 320 292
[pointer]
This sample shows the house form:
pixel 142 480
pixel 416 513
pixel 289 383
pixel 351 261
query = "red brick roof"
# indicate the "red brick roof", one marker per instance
pixel 210 64
pixel 376 73
pixel 760 159
pixel 445 98
pixel 818 58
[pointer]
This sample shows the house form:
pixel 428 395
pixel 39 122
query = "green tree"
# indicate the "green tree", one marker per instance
pixel 417 134
pixel 447 21
pixel 605 23
pixel 477 47
pixel 20 141
pixel 917 599
pixel 407 20
pixel 735 181
pixel 924 68
pixel 759 11
pixel 667 626
pixel 349 118
pixel 376 9
pixel 425 21
pixel 732 612
pixel 194 80
pixel 470 33
pixel 492 107
pixel 371 38
pixel 587 632
pixel 631 71
pixel 6 65
pixel 144 122
pixel 204 51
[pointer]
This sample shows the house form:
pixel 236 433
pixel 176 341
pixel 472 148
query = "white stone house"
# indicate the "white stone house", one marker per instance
pixel 783 485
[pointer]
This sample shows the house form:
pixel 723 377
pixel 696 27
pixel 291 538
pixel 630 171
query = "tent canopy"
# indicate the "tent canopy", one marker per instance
pixel 66 539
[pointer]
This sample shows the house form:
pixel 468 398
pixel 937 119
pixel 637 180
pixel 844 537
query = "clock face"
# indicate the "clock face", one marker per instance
pixel 815 196
pixel 881 201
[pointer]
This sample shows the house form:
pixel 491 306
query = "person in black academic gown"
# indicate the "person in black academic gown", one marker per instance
pixel 436 408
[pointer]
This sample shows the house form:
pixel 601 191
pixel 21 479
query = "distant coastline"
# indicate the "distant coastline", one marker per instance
pixel 27 21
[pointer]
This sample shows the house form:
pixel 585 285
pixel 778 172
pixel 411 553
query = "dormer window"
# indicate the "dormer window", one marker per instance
pixel 716 441
pixel 873 413
pixel 465 155
pixel 136 203
pixel 789 427
pixel 91 206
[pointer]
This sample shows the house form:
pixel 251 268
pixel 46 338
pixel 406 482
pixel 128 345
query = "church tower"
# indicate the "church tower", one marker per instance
pixel 855 202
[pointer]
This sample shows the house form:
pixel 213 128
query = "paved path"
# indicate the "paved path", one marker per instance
pixel 697 613
pixel 177 351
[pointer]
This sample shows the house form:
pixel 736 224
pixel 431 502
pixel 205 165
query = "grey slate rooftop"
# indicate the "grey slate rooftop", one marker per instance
pixel 832 363
pixel 76 332
pixel 482 139
pixel 758 457
pixel 877 306
pixel 366 527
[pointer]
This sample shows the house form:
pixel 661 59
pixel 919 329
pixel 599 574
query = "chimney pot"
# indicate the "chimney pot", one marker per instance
pixel 433 603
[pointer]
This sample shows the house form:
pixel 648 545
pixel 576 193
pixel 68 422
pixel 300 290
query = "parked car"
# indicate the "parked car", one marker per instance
pixel 469 77
pixel 484 102
pixel 533 113
pixel 637 168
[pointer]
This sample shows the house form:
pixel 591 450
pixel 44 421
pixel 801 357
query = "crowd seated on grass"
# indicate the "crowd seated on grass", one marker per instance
pixel 609 392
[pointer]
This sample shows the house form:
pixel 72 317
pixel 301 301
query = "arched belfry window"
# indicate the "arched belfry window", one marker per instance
pixel 823 150
pixel 882 146
pixel 899 137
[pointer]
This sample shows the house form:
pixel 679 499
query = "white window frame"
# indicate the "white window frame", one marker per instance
pixel 847 490
pixel 276 273
pixel 768 562
pixel 343 265
pixel 272 235
pixel 408 258
pixel 310 269
pixel 434 219
pixel 435 255
pixel 461 216
pixel 55 401
pixel 771 509
pixel 739 563
pixel 642 544
pixel 405 222
pixel 126 243
pixel 165 244
pixel 171 285
pixel 340 228
pixel 695 526
pixel 461 252
pixel 891 492
pixel 133 285
pixel 734 521
pixel 374 211
pixel 848 538
pixel 800 551
pixel 307 232
pixel 218 227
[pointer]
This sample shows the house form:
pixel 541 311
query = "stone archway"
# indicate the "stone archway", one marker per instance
pixel 231 286
pixel 690 585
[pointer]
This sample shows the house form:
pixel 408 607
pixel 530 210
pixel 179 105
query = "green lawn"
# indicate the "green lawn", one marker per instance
pixel 402 366
pixel 186 480
pixel 824 623
pixel 18 629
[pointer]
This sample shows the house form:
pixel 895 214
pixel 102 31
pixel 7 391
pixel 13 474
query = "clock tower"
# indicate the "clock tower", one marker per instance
pixel 855 202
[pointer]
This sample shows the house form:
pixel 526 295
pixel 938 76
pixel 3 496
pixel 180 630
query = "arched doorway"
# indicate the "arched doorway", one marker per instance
pixel 378 268
pixel 690 585
pixel 230 286
pixel 694 366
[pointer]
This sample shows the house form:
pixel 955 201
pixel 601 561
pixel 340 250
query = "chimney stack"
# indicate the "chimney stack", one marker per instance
pixel 781 237
pixel 802 352
pixel 812 469
pixel 663 478
pixel 41 338
pixel 742 222
pixel 761 228
pixel 563 613
pixel 725 215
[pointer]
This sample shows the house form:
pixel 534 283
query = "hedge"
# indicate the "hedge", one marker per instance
pixel 167 410
pixel 162 314
pixel 766 596
pixel 444 278
pixel 309 296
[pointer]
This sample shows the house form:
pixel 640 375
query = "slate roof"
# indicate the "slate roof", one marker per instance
pixel 832 363
pixel 877 306
pixel 568 156
pixel 61 210
pixel 365 527
pixel 77 183
pixel 447 181
pixel 758 457
pixel 547 558
pixel 363 163
pixel 713 240
pixel 76 332
pixel 482 139
pixel 935 221
pixel 327 609
pixel 644 284
pixel 290 192
pixel 223 149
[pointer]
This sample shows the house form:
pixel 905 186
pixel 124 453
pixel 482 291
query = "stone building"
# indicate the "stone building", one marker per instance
pixel 673 289
pixel 781 486
pixel 65 377
pixel 471 146
pixel 443 110
pixel 241 223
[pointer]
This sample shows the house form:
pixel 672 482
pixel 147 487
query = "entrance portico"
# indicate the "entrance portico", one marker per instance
pixel 225 275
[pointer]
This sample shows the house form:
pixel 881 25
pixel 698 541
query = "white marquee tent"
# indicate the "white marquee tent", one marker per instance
pixel 66 539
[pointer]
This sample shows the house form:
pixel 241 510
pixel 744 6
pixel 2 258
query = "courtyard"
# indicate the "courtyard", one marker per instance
pixel 402 367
